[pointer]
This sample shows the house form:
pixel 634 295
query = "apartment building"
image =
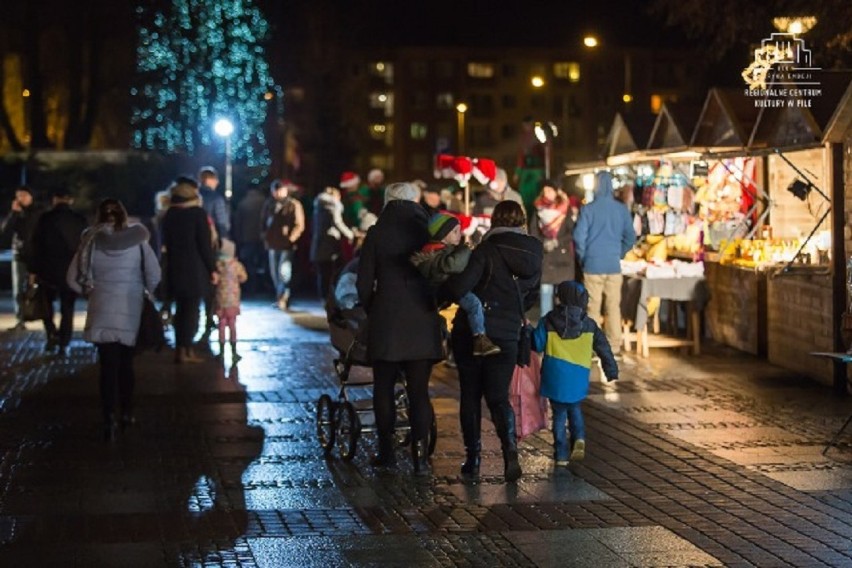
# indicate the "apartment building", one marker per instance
pixel 402 105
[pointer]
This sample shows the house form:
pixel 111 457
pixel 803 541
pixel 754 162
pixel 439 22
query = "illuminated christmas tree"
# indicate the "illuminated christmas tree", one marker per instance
pixel 197 61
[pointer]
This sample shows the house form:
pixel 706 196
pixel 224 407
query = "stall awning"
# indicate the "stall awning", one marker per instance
pixel 673 127
pixel 726 120
pixel 838 117
pixel 628 135
pixel 800 121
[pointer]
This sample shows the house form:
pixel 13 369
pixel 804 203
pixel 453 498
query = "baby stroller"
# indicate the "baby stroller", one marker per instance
pixel 341 422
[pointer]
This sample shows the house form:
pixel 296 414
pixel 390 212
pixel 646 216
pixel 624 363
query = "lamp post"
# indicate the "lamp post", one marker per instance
pixel 545 133
pixel 461 108
pixel 225 128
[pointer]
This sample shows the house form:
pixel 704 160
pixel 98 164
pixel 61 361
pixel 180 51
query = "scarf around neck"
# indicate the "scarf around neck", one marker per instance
pixel 551 215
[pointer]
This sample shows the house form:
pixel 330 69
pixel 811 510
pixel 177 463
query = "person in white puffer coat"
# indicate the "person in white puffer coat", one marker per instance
pixel 108 270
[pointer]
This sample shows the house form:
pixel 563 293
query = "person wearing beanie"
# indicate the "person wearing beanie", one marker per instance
pixel 190 262
pixel 404 331
pixel 445 255
pixel 232 273
pixel 567 336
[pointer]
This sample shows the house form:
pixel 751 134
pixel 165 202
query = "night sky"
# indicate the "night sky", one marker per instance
pixel 547 23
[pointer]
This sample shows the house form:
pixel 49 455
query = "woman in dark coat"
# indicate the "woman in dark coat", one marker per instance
pixel 404 332
pixel 551 223
pixel 504 270
pixel 191 264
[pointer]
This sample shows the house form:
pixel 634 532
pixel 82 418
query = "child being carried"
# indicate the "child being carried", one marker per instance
pixel 443 256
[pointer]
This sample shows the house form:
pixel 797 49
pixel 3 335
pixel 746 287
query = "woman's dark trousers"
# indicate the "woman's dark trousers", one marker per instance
pixel 117 379
pixel 489 377
pixel 385 376
pixel 186 320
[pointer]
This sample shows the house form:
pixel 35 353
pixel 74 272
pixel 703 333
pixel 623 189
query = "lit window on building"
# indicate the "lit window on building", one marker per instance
pixel 567 70
pixel 444 101
pixel 382 69
pixel 378 131
pixel 480 70
pixel 418 131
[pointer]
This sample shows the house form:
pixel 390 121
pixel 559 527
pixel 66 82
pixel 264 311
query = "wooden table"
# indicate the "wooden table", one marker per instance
pixel 638 290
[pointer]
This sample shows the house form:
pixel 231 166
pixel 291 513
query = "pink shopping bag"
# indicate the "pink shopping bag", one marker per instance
pixel 524 395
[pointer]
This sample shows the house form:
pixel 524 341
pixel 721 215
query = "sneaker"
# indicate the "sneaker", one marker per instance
pixel 20 326
pixel 482 346
pixel 561 463
pixel 284 302
pixel 578 452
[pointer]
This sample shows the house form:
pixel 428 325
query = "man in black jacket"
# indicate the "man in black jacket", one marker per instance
pixel 55 240
pixel 19 226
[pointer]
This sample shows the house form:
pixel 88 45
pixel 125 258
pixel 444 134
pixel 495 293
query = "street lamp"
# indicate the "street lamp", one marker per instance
pixel 537 82
pixel 461 108
pixel 590 41
pixel 224 128
pixel 545 133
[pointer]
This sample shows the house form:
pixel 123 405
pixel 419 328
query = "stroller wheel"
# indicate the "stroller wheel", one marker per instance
pixel 348 430
pixel 325 422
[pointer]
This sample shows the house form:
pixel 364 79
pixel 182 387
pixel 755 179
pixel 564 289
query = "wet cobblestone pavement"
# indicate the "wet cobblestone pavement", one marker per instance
pixel 707 461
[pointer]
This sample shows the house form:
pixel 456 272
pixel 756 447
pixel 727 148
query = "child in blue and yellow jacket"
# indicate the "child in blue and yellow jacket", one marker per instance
pixel 567 336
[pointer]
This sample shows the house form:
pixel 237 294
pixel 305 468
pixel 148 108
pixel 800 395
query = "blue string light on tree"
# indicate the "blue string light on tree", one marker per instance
pixel 195 60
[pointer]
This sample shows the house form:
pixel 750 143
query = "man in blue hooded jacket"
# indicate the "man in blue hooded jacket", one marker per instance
pixel 603 235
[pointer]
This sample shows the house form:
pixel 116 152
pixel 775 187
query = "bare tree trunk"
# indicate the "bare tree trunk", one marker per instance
pixel 37 121
pixel 5 122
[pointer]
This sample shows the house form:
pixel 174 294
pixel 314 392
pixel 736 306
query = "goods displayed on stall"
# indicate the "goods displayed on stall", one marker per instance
pixel 683 210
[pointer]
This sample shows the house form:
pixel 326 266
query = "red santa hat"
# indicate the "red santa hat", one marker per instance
pixel 348 180
pixel 484 170
pixel 444 166
pixel 462 167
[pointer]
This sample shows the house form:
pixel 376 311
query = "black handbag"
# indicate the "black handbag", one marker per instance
pixel 526 331
pixel 151 333
pixel 32 303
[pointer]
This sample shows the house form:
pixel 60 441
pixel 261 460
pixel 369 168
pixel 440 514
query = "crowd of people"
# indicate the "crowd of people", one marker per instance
pixel 399 252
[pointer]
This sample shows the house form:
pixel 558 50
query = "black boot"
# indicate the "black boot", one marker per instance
pixel 506 431
pixel 470 467
pixel 386 456
pixel 420 458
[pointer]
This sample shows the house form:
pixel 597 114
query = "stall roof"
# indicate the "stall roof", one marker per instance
pixel 673 127
pixel 838 85
pixel 726 120
pixel 628 134
pixel 795 124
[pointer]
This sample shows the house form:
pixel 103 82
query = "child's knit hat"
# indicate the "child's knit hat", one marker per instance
pixel 440 226
pixel 571 293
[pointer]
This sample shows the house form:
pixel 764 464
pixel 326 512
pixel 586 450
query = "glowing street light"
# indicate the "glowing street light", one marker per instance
pixel 461 108
pixel 590 41
pixel 537 82
pixel 224 128
pixel 545 133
